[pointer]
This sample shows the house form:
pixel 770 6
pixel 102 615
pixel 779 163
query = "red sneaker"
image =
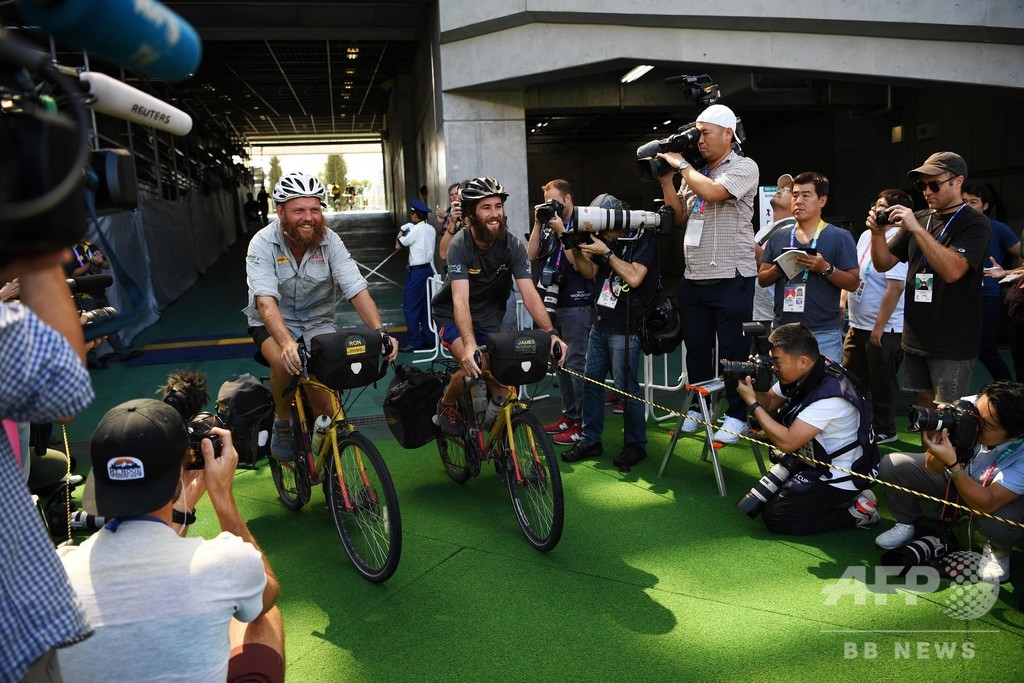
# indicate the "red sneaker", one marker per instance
pixel 570 436
pixel 619 407
pixel 560 425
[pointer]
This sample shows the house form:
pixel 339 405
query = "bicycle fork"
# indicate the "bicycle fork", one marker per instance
pixel 504 421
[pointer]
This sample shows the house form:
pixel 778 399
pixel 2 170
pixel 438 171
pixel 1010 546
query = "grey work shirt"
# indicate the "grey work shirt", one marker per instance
pixel 307 295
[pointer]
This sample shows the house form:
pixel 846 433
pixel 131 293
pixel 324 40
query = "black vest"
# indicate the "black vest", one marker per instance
pixel 829 379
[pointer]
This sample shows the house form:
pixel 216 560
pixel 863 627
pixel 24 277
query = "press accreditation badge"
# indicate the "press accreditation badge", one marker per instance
pixel 793 298
pixel 607 298
pixel 857 294
pixel 923 287
pixel 694 229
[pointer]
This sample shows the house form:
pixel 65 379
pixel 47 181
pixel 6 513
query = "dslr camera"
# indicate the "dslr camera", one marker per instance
pixel 198 429
pixel 935 539
pixel 883 217
pixel 961 420
pixel 549 286
pixel 760 368
pixel 548 209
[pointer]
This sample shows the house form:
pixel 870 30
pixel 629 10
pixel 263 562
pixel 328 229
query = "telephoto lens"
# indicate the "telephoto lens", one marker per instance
pixel 98 314
pixel 551 298
pixel 755 499
pixel 919 552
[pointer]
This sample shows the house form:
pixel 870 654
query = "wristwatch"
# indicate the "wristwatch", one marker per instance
pixel 682 164
pixel 607 256
pixel 752 408
pixel 829 272
pixel 953 471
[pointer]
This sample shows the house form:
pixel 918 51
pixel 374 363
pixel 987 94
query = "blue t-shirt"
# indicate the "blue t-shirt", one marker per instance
pixel 821 300
pixel 1003 239
pixel 1009 466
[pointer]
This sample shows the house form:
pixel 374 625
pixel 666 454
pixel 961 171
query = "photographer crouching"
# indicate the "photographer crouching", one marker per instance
pixel 977 459
pixel 820 409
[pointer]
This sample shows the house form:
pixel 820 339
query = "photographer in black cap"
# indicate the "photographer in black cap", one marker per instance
pixel 992 480
pixel 144 587
pixel 820 410
pixel 944 247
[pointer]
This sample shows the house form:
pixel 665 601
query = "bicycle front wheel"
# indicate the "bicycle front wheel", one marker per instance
pixel 457 452
pixel 365 507
pixel 536 490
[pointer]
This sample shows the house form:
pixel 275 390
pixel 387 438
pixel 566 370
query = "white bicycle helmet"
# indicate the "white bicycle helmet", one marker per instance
pixel 298 184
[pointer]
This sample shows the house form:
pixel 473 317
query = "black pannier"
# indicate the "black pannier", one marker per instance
pixel 346 359
pixel 410 405
pixel 246 408
pixel 519 357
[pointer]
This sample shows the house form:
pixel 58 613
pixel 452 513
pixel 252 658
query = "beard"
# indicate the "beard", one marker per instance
pixel 483 235
pixel 295 240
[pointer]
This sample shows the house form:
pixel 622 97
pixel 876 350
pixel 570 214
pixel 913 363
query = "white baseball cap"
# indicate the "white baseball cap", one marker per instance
pixel 720 115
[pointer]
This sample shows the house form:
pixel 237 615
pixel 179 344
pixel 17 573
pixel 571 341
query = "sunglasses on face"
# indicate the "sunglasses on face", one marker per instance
pixel 932 185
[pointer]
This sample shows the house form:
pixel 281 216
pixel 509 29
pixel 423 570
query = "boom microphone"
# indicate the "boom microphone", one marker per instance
pixel 142 35
pixel 131 104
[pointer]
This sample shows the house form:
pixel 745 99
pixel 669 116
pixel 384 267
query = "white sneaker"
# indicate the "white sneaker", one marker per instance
pixel 690 424
pixel 901 534
pixel 991 567
pixel 865 509
pixel 731 424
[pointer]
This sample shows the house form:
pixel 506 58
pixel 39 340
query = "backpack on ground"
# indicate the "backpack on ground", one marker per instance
pixel 247 410
pixel 410 404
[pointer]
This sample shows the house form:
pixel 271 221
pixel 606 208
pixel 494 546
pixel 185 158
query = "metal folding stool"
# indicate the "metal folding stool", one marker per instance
pixel 708 398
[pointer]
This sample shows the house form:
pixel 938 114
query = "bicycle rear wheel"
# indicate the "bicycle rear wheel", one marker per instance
pixel 456 454
pixel 368 522
pixel 537 494
pixel 291 478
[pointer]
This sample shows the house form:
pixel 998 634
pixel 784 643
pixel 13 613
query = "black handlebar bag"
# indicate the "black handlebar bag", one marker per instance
pixel 519 357
pixel 346 359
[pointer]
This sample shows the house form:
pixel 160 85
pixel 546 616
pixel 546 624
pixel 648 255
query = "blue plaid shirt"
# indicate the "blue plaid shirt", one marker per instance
pixel 43 380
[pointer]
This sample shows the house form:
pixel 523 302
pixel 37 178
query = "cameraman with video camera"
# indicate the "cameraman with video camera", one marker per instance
pixel 567 296
pixel 819 409
pixel 987 475
pixel 715 204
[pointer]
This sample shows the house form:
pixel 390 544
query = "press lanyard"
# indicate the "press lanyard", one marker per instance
pixel 814 242
pixel 942 233
pixel 1010 449
pixel 113 524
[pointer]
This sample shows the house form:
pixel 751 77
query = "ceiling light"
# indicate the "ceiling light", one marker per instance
pixel 635 73
pixel 665 123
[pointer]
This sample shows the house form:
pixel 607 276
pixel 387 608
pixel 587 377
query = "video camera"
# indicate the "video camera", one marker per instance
pixel 961 419
pixel 760 367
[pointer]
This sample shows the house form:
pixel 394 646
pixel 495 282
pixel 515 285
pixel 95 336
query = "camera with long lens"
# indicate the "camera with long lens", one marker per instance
pixel 961 420
pixel 760 368
pixel 935 539
pixel 548 209
pixel 767 486
pixel 98 314
pixel 549 286
pixel 198 429
pixel 595 219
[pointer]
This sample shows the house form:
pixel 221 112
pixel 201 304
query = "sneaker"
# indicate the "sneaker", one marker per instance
pixel 991 567
pixel 581 451
pixel 731 424
pixel 883 437
pixel 691 424
pixel 619 407
pixel 449 419
pixel 865 509
pixel 610 398
pixel 630 455
pixel 901 534
pixel 281 447
pixel 569 436
pixel 560 425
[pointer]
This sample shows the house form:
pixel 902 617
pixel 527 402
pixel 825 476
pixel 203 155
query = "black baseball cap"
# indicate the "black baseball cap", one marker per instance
pixel 137 451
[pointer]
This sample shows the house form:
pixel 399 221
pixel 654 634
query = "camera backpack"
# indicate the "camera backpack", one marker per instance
pixel 247 410
pixel 409 405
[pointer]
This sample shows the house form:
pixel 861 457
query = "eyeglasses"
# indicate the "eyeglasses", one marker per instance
pixel 932 185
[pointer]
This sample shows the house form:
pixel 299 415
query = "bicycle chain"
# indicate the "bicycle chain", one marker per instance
pixel 802 456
